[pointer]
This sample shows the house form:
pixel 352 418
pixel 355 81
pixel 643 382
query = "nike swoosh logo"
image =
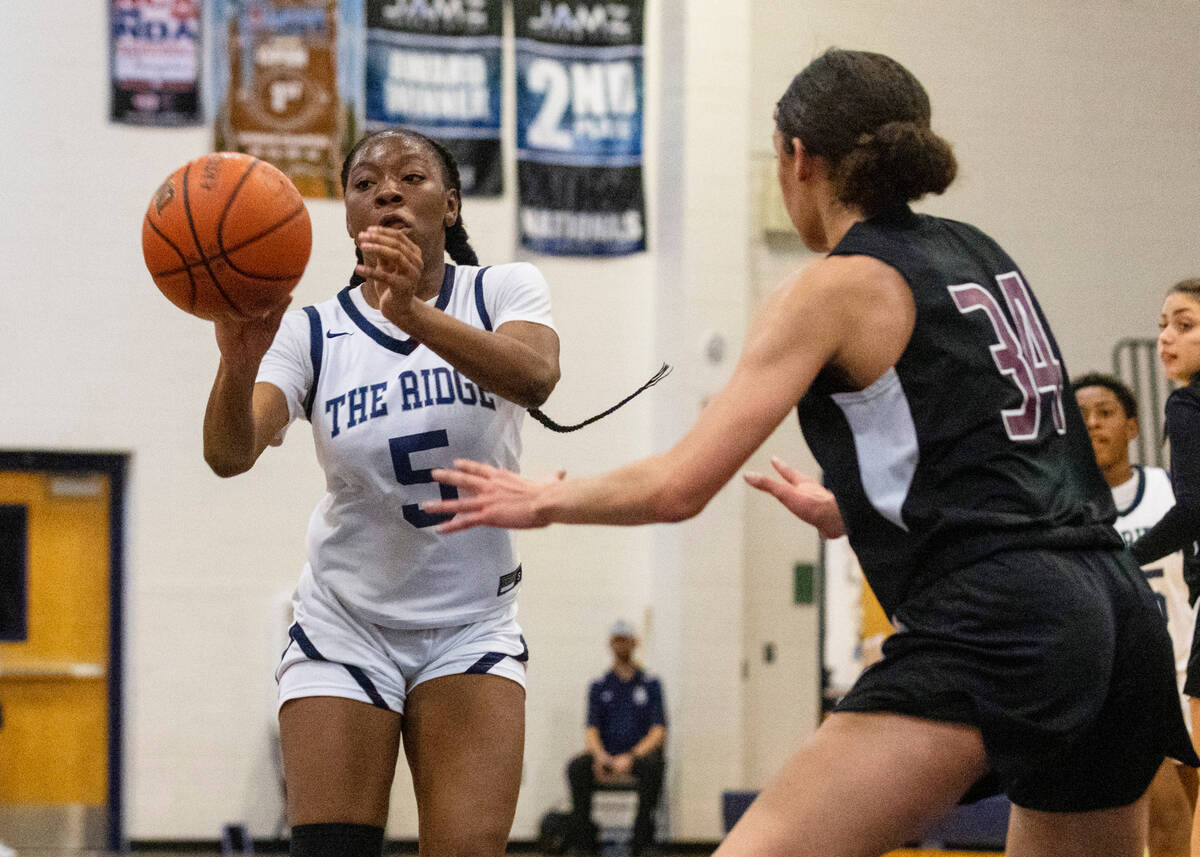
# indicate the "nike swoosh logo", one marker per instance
pixel 330 334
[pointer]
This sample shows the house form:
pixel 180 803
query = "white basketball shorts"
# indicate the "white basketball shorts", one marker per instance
pixel 330 652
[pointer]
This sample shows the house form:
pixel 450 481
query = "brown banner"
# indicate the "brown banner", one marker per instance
pixel 278 88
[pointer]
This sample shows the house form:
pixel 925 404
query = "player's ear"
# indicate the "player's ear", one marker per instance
pixel 1132 428
pixel 453 206
pixel 803 165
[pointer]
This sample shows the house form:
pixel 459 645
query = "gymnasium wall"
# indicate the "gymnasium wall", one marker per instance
pixel 1076 132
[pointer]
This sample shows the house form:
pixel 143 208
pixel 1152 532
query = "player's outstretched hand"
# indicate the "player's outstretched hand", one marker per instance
pixel 805 497
pixel 246 340
pixel 495 497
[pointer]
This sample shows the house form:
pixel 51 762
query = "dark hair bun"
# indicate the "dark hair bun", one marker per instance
pixel 898 163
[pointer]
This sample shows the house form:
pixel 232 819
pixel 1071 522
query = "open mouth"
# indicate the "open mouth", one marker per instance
pixel 394 222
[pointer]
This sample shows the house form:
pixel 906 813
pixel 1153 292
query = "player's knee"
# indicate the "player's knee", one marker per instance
pixel 468 840
pixel 336 840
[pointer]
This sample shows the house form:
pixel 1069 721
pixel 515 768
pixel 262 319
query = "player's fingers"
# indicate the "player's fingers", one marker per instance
pixel 789 473
pixel 458 479
pixel 765 483
pixel 452 507
pixel 392 241
pixel 458 523
pixel 477 468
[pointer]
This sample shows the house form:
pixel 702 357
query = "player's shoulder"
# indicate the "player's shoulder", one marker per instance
pixel 852 276
pixel 324 308
pixel 511 272
pixel 1156 478
pixel 1186 398
pixel 295 322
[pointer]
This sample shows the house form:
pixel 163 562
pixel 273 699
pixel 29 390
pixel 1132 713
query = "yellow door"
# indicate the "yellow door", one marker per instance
pixel 53 677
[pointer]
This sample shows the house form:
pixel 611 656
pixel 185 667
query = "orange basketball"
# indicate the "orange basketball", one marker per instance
pixel 226 235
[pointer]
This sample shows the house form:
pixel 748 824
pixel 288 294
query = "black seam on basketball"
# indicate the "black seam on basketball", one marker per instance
pixel 199 249
pixel 225 251
pixel 229 203
pixel 180 254
pixel 222 256
pixel 268 231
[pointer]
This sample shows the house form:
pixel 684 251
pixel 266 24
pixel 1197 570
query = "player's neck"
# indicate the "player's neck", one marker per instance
pixel 836 218
pixel 1118 474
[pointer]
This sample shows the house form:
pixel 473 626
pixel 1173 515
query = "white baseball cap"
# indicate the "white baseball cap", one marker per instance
pixel 621 628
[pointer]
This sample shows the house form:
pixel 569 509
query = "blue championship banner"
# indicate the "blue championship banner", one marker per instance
pixel 434 67
pixel 155 61
pixel 579 127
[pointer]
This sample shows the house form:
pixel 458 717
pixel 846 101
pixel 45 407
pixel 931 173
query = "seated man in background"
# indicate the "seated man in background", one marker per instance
pixel 626 730
pixel 1142 496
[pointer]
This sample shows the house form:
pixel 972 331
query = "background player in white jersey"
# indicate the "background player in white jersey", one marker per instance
pixel 401 634
pixel 1142 496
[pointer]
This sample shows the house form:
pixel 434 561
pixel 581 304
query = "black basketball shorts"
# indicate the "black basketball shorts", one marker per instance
pixel 1060 658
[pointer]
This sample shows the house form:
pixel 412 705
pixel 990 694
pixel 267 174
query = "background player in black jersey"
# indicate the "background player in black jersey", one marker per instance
pixel 1179 529
pixel 1030 655
pixel 1179 351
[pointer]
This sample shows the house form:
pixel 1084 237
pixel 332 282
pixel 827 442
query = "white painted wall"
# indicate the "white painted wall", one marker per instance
pixel 1076 132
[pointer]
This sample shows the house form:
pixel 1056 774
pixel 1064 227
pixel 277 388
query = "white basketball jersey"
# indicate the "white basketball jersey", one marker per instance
pixel 385 410
pixel 1141 502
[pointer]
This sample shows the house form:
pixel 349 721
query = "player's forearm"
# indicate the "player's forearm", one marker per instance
pixel 497 363
pixel 229 443
pixel 644 492
pixel 1175 530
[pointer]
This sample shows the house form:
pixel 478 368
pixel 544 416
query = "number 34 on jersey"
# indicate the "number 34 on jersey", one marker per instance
pixel 1022 352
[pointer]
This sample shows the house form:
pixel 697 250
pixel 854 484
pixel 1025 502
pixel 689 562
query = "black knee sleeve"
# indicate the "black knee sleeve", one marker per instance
pixel 336 840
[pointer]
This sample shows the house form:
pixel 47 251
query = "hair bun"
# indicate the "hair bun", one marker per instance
pixel 898 162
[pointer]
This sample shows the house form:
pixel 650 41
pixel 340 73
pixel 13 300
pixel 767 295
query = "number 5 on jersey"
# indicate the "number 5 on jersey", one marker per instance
pixel 1024 354
pixel 402 448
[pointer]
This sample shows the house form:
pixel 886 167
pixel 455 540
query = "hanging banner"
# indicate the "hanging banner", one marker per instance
pixel 579 127
pixel 434 67
pixel 155 48
pixel 280 75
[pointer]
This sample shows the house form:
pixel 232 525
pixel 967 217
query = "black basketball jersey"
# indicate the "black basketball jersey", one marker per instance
pixel 971 444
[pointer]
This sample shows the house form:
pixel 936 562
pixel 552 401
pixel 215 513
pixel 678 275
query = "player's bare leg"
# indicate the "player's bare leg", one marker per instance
pixel 863 785
pixel 339 758
pixel 1194 710
pixel 1119 832
pixel 464 736
pixel 1171 804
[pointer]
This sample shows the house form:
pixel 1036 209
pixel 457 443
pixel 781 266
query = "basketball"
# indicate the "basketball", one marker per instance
pixel 226 235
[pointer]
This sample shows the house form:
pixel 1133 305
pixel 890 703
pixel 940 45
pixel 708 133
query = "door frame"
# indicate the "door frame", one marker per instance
pixel 114 465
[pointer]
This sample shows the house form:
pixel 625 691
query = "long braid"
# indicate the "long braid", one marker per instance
pixel 536 413
pixel 458 246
